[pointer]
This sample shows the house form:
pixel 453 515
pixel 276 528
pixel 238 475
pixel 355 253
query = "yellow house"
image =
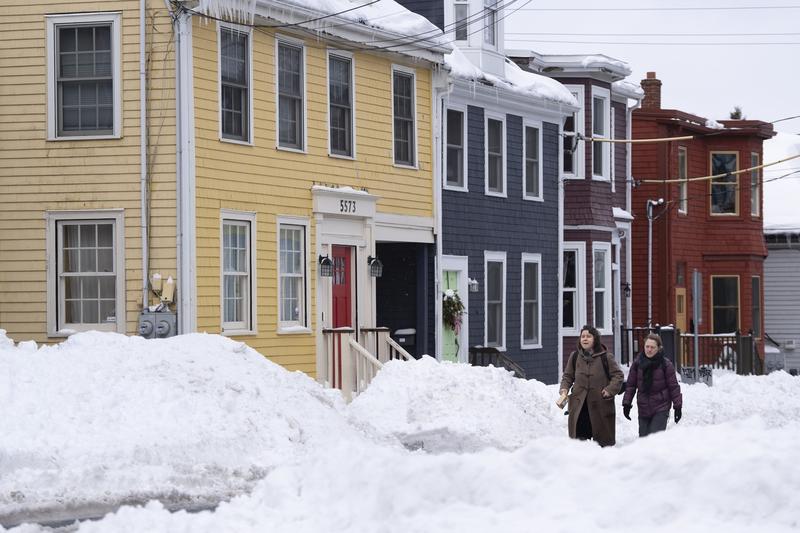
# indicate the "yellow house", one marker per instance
pixel 285 155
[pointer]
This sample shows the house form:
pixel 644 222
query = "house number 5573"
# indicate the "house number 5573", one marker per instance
pixel 347 206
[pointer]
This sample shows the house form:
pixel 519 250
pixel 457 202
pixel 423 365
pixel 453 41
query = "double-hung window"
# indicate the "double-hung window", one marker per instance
pixel 455 149
pixel 340 110
pixel 602 284
pixel 461 18
pixel 292 284
pixel 237 271
pixel 533 164
pixel 404 117
pixel 86 281
pixel 725 303
pixel 601 127
pixel 495 157
pixel 572 286
pixel 756 294
pixel 572 129
pixel 755 185
pixel 84 75
pixel 683 185
pixel 291 88
pixel 490 22
pixel 531 301
pixel 234 66
pixel 495 265
pixel 725 188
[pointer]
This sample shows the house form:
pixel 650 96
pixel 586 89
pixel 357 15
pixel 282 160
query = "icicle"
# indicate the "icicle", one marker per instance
pixel 239 11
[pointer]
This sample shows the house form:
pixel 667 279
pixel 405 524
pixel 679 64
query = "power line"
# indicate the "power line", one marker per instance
pixel 715 176
pixel 286 25
pixel 721 8
pixel 735 34
pixel 653 44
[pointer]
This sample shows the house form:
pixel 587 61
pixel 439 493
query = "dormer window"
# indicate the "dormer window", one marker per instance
pixel 490 21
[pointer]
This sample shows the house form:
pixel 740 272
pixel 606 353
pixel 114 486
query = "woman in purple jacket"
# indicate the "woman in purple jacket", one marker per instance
pixel 654 377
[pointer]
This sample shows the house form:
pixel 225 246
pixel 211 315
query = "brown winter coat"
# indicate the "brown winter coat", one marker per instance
pixel 587 382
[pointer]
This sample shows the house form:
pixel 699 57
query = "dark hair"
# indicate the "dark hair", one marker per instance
pixel 596 346
pixel 654 337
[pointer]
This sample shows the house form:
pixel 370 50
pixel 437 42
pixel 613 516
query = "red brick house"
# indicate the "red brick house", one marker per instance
pixel 712 225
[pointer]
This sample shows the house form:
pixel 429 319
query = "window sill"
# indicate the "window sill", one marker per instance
pixel 65 332
pixel 496 194
pixel 455 188
pixel 237 332
pixel 289 149
pixel 86 138
pixel 293 330
pixel 236 141
pixel 531 346
pixel 342 156
pixel 405 166
pixel 533 198
pixel 572 177
pixel 596 177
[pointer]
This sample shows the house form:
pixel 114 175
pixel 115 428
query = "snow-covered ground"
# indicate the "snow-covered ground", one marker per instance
pixel 104 419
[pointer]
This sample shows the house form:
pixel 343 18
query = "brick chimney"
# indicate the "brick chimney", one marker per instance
pixel 652 92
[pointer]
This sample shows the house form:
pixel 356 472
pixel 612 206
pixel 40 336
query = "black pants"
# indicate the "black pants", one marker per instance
pixel 583 428
pixel 653 424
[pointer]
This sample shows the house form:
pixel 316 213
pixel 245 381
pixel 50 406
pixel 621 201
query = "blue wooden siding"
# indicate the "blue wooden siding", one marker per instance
pixel 473 222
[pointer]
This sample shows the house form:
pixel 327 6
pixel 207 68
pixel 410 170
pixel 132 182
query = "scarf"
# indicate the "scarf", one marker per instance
pixel 648 365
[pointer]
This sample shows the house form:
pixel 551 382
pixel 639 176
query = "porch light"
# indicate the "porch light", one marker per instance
pixel 626 289
pixel 473 284
pixel 375 267
pixel 325 266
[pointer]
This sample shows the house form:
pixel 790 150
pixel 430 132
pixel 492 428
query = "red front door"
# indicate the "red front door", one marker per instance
pixel 342 287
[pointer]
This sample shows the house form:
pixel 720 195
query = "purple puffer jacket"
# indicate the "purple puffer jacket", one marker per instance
pixel 664 392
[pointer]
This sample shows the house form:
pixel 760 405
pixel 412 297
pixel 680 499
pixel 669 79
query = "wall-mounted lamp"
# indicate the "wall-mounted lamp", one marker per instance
pixel 325 266
pixel 375 267
pixel 626 289
pixel 473 284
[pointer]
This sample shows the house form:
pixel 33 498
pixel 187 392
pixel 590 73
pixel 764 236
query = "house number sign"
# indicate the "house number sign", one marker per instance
pixel 344 203
pixel 347 206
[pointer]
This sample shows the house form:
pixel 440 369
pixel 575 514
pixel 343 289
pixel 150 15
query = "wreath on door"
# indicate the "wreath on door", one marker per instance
pixel 452 310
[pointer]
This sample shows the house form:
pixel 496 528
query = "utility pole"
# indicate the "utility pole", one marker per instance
pixel 649 209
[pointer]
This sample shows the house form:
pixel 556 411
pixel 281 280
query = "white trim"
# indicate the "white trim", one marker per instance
pixel 589 227
pixel 54 305
pixel 298 43
pixel 755 160
pixel 460 264
pixel 537 260
pixel 684 202
pixel 292 327
pixel 413 73
pixel 607 300
pixel 494 257
pixel 247 326
pixel 579 248
pixel 341 54
pixel 504 166
pixel 536 124
pixel 605 94
pixel 249 31
pixel 114 18
pixel 579 170
pixel 463 110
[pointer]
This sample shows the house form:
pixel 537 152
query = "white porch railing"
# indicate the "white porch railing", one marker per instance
pixel 378 342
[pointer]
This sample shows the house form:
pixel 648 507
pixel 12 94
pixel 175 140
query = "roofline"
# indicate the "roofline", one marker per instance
pixel 688 121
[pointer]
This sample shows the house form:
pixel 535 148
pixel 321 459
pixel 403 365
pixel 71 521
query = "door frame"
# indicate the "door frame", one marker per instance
pixel 456 263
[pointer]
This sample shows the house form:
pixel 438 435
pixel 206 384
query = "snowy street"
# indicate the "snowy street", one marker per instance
pixel 200 419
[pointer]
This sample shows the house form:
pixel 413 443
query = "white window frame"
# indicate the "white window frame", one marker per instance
pixel 683 186
pixel 415 144
pixel 504 165
pixel 738 301
pixel 341 54
pixel 249 31
pixel 491 14
pixel 528 258
pixel 605 95
pixel 446 185
pixel 53 21
pixel 456 26
pixel 525 195
pixel 579 163
pixel 580 290
pixel 291 326
pixel 298 43
pixel 755 185
pixel 604 247
pixel 248 325
pixel 736 184
pixel 55 307
pixel 494 257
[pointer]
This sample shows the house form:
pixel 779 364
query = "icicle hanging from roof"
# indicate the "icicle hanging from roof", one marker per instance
pixel 239 11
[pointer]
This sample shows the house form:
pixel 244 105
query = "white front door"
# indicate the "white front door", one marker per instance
pixel 453 346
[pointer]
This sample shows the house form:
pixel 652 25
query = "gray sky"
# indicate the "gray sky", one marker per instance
pixel 708 80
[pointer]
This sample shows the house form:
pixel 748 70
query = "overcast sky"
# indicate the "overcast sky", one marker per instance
pixel 708 80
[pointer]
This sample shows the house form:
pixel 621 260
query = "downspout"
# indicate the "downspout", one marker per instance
pixel 442 89
pixel 628 200
pixel 560 248
pixel 143 207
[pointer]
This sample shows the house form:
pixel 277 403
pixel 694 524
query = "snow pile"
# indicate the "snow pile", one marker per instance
pixel 109 418
pixel 780 196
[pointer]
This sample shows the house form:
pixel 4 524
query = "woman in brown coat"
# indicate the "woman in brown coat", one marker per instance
pixel 592 414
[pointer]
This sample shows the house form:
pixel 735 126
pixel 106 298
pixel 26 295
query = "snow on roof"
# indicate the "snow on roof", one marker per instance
pixel 781 213
pixel 515 80
pixel 621 213
pixel 711 123
pixel 628 88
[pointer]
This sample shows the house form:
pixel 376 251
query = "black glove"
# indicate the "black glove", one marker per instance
pixel 626 410
pixel 677 414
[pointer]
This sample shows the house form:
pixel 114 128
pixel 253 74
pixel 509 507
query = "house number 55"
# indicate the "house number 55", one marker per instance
pixel 347 206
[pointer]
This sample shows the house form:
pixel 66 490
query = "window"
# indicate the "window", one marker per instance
pixel 340 94
pixel 234 65
pixel 490 22
pixel 725 303
pixel 291 82
pixel 573 127
pixel 495 263
pixel 85 280
pixel 237 268
pixel 601 119
pixel 602 282
pixel 455 149
pixel 495 172
pixel 572 286
pixel 531 301
pixel 756 282
pixel 84 75
pixel 533 163
pixel 755 186
pixel 724 189
pixel 404 138
pixel 292 274
pixel 461 16
pixel 683 186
